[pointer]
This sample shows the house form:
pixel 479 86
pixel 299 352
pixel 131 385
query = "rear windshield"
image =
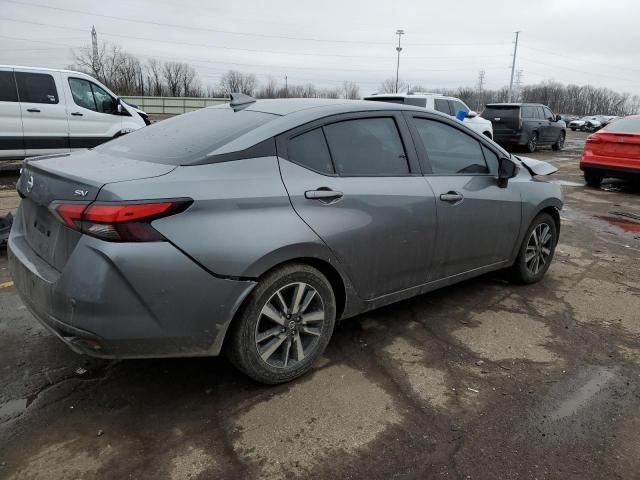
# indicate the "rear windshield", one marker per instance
pixel 491 112
pixel 186 138
pixel 624 125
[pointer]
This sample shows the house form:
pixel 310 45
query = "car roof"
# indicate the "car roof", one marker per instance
pixel 43 69
pixel 409 95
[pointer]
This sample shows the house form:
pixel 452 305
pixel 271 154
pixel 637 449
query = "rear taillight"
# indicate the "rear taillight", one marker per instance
pixel 118 222
pixel 594 139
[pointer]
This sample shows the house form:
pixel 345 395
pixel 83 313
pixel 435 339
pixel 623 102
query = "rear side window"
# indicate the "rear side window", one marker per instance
pixel 36 88
pixel 367 147
pixel 529 112
pixel 624 125
pixel 442 105
pixel 187 138
pixel 8 92
pixel 310 150
pixel 450 151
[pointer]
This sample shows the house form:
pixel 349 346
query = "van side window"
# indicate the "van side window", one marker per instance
pixel 82 94
pixel 36 88
pixel 8 92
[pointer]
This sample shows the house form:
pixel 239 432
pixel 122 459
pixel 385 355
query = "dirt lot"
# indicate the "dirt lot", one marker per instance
pixel 483 380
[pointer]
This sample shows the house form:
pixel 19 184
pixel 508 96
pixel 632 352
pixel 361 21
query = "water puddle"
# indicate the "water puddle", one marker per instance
pixel 584 394
pixel 624 224
pixel 12 409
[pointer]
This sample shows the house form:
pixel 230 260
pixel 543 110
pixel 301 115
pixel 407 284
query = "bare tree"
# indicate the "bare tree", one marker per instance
pixel 389 86
pixel 350 90
pixel 235 81
pixel 154 77
pixel 172 73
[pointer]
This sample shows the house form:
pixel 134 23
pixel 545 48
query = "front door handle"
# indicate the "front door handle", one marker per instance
pixel 76 114
pixel 323 194
pixel 452 197
pixel 33 110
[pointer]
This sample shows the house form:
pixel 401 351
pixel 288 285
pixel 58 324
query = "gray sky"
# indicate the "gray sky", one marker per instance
pixel 446 43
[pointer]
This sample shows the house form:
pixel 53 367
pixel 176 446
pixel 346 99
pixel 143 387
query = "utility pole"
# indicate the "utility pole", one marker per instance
pixel 286 87
pixel 481 76
pixel 399 32
pixel 518 83
pixel 94 56
pixel 513 66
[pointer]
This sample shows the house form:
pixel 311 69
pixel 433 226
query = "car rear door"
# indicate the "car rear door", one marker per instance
pixel 478 222
pixel 355 180
pixel 11 145
pixel 44 114
pixel 93 113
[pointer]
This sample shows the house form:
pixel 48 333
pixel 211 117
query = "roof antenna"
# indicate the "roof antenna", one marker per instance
pixel 240 101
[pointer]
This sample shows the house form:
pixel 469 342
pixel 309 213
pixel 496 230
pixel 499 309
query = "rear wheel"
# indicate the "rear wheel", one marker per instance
pixel 573 129
pixel 536 251
pixel 593 179
pixel 559 145
pixel 532 143
pixel 284 326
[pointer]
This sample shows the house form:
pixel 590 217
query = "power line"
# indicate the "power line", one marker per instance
pixel 227 32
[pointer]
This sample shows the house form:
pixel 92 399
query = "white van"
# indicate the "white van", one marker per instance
pixel 442 103
pixel 46 111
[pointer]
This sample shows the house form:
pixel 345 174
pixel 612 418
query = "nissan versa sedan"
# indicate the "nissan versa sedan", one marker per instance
pixel 251 228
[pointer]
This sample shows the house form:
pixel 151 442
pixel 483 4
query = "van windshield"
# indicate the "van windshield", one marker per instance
pixel 184 139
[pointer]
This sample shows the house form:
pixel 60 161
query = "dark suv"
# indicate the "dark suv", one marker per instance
pixel 525 124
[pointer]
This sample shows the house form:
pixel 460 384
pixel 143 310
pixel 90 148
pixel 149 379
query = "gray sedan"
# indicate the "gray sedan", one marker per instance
pixel 252 228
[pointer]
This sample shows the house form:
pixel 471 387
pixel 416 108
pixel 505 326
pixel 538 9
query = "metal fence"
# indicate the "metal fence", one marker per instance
pixel 173 105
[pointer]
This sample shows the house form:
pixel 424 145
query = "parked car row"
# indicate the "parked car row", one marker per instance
pixel 591 123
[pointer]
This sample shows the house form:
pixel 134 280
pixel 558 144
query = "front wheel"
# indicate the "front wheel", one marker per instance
pixel 284 326
pixel 536 251
pixel 559 145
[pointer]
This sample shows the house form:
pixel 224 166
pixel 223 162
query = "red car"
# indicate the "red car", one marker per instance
pixel 613 151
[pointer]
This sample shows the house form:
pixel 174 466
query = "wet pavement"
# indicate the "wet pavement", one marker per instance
pixel 482 380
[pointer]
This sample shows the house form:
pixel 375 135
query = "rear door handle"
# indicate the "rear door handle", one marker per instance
pixel 323 194
pixel 33 110
pixel 452 197
pixel 76 114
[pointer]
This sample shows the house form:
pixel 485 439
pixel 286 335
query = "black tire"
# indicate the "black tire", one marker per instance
pixel 522 270
pixel 593 179
pixel 573 129
pixel 532 143
pixel 242 347
pixel 559 145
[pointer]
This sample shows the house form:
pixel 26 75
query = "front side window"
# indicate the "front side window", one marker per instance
pixel 8 92
pixel 310 150
pixel 450 151
pixel 367 147
pixel 457 106
pixel 82 94
pixel 540 113
pixel 36 88
pixel 105 103
pixel 547 113
pixel 442 105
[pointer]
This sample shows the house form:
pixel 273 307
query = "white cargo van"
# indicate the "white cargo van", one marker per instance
pixel 46 111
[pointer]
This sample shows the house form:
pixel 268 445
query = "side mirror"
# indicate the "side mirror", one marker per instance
pixel 472 114
pixel 506 170
pixel 558 118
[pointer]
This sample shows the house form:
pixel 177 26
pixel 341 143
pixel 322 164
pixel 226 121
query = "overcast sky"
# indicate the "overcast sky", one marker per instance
pixel 326 42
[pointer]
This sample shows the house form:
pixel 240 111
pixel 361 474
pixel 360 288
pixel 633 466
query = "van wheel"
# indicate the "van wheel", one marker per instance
pixel 284 325
pixel 536 251
pixel 593 179
pixel 559 145
pixel 532 143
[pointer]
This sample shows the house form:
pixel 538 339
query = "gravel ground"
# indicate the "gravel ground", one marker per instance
pixel 482 380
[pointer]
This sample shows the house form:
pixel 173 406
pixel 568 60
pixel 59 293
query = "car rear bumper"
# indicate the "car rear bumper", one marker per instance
pixel 611 170
pixel 127 300
pixel 509 138
pixel 607 164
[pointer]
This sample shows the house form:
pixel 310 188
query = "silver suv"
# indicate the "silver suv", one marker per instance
pixel 253 227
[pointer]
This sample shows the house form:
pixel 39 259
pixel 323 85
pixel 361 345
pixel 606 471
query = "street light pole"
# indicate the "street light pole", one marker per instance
pixel 398 49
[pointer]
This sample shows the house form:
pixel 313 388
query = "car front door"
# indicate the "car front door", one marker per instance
pixel 93 114
pixel 43 110
pixel 553 127
pixel 11 145
pixel 478 222
pixel 355 180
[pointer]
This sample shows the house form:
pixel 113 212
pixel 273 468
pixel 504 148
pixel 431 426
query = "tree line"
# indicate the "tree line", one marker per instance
pixel 126 74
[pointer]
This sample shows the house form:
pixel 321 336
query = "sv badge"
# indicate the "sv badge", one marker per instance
pixel 81 193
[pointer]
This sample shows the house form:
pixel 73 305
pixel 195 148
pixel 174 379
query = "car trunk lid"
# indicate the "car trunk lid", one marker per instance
pixel 619 145
pixel 74 177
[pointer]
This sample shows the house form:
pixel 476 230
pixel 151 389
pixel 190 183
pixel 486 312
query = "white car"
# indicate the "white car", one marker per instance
pixel 45 111
pixel 581 123
pixel 435 101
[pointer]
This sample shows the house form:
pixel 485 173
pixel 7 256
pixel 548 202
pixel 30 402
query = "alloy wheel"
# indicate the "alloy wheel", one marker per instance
pixel 538 249
pixel 290 325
